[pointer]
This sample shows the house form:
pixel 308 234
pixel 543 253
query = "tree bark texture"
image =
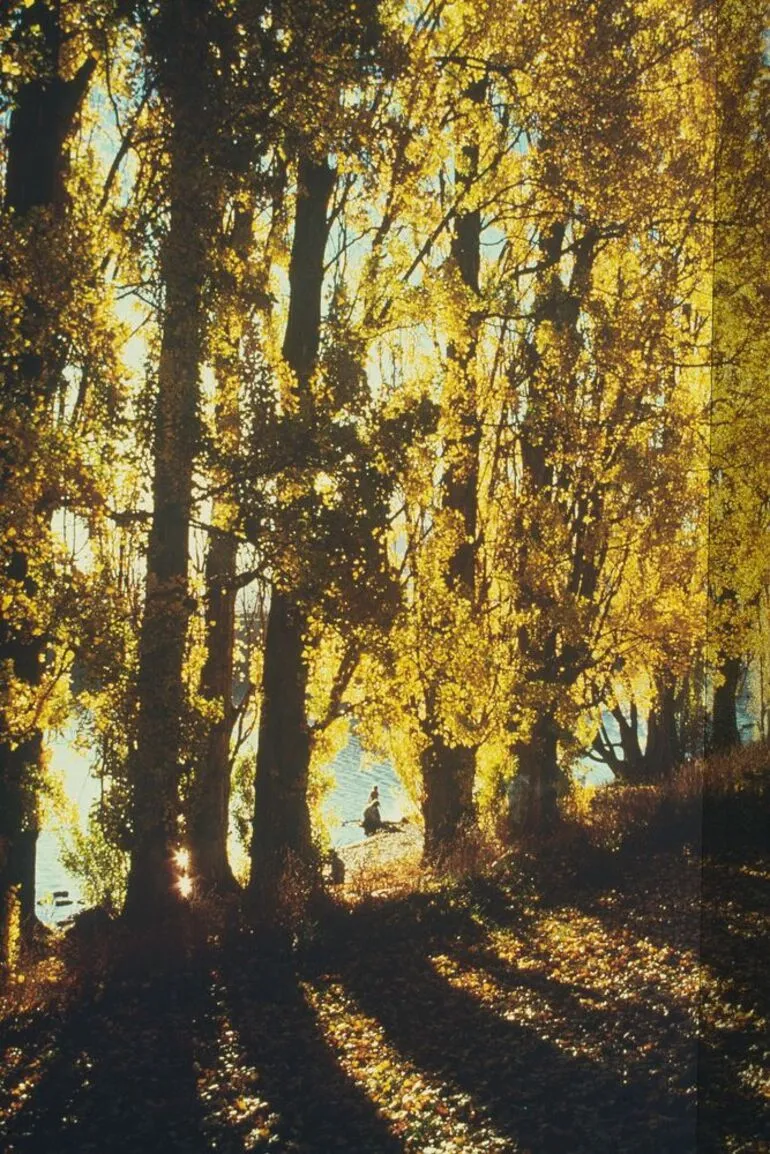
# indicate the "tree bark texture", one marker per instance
pixel 664 746
pixel 448 810
pixel 539 770
pixel 553 665
pixel 208 814
pixel 281 815
pixel 281 823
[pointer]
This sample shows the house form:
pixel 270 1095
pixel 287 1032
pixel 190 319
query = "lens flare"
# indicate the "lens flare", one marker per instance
pixel 185 885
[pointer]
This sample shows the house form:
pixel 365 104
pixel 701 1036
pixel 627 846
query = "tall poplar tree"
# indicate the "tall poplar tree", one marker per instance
pixel 209 802
pixel 448 770
pixel 181 42
pixel 740 403
pixel 281 826
pixel 331 55
pixel 598 449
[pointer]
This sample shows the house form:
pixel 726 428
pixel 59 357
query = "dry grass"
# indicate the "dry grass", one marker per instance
pixel 385 864
pixel 390 864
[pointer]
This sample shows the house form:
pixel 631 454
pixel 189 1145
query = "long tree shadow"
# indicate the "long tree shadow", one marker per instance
pixel 654 890
pixel 121 1076
pixel 735 920
pixel 662 1024
pixel 26 1041
pixel 732 1115
pixel 539 1096
pixel 733 1065
pixel 715 908
pixel 315 1107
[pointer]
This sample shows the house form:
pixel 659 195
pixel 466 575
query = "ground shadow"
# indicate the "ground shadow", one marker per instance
pixel 315 1107
pixel 734 947
pixel 134 1062
pixel 120 1075
pixel 713 906
pixel 531 1091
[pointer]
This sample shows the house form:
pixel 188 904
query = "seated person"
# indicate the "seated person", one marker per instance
pixel 371 819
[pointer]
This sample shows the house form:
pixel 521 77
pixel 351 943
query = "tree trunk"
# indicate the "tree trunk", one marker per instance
pixel 691 712
pixel 42 119
pixel 181 47
pixel 281 824
pixel 448 772
pixel 539 770
pixel 447 808
pixel 553 664
pixel 208 816
pixel 604 749
pixel 18 845
pixel 663 750
pixel 634 767
pixel 281 815
pixel 209 811
pixel 724 731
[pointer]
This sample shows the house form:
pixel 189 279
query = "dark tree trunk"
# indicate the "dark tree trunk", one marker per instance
pixel 180 42
pixel 538 767
pixel 208 816
pixel 209 811
pixel 605 750
pixel 724 730
pixel 42 119
pixel 447 808
pixel 281 824
pixel 553 664
pixel 281 815
pixel 634 767
pixel 663 752
pixel 691 712
pixel 18 847
pixel 448 772
pixel 20 770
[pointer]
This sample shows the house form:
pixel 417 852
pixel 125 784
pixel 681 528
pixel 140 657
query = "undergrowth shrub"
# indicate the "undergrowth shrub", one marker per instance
pixel 469 854
pixel 741 770
pixel 736 800
pixel 373 880
pixel 36 984
pixel 727 795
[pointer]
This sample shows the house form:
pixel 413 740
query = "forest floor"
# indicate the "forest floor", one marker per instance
pixel 561 1003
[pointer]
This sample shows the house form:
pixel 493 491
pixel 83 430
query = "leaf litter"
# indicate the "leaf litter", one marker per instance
pixel 500 1014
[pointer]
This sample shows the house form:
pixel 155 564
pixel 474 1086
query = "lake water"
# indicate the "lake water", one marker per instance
pixel 354 776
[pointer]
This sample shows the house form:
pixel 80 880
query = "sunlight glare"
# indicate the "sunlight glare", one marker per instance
pixel 185 885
